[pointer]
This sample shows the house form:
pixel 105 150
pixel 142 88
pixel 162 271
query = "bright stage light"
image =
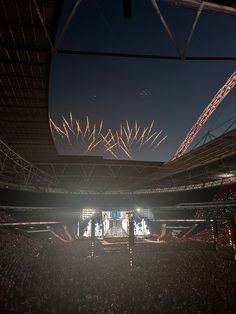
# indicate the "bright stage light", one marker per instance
pixel 225 175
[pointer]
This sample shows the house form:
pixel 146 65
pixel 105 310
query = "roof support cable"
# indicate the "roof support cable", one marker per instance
pixel 68 21
pixel 44 25
pixel 164 23
pixel 193 29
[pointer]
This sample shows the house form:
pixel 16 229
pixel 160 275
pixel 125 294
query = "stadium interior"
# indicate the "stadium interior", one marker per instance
pixel 86 234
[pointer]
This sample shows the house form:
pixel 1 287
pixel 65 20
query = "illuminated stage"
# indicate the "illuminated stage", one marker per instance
pixel 121 245
pixel 121 241
pixel 115 224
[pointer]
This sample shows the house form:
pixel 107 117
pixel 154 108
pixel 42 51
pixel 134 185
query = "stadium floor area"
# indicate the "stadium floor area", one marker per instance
pixel 175 277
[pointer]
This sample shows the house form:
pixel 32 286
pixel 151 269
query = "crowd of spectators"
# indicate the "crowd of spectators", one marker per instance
pixel 16 255
pixel 220 214
pixel 207 234
pixel 181 276
pixel 224 194
pixel 5 217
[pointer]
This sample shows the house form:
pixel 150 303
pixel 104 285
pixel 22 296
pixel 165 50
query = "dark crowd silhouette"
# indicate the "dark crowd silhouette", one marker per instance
pixel 181 276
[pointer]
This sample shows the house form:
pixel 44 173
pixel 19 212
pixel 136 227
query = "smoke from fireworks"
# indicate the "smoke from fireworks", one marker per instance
pixel 119 143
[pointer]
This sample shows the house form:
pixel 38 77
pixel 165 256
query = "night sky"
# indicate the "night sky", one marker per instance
pixel 173 93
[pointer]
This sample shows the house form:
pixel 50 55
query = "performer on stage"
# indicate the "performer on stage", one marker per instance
pixel 87 232
pixel 135 228
pixel 125 223
pixel 145 229
pixel 106 224
pixel 77 233
pixel 97 230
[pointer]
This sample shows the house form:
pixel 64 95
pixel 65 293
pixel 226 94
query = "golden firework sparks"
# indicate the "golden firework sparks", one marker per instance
pixel 116 142
pixel 100 127
pixel 125 151
pixel 71 120
pixel 67 134
pixel 150 128
pixel 155 138
pixel 149 138
pixel 87 129
pixel 92 147
pixel 67 124
pixel 162 140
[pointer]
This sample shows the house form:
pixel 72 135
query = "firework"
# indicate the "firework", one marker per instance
pixel 118 143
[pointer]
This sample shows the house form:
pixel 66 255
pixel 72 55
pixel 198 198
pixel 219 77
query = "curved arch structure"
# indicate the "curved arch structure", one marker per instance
pixel 212 106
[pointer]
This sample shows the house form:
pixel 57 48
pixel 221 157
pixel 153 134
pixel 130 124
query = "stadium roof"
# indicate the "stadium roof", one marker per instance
pixel 28 29
pixel 220 6
pixel 212 161
pixel 209 163
pixel 25 54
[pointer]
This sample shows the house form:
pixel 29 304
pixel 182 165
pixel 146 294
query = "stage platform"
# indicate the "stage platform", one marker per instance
pixel 125 241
